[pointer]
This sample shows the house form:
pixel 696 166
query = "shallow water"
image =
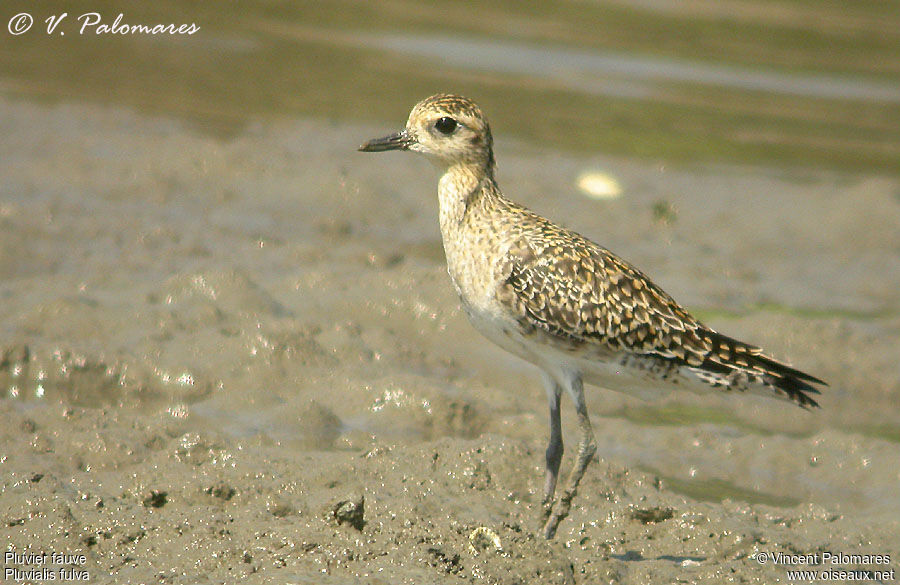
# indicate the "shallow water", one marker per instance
pixel 606 73
pixel 208 292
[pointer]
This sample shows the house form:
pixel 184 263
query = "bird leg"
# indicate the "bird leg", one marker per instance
pixel 554 448
pixel 587 447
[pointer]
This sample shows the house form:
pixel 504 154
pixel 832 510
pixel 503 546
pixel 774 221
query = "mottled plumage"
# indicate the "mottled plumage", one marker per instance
pixel 578 292
pixel 562 302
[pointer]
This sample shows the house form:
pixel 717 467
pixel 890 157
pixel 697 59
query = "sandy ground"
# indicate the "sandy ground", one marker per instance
pixel 242 358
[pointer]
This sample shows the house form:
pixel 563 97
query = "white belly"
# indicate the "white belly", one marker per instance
pixel 597 367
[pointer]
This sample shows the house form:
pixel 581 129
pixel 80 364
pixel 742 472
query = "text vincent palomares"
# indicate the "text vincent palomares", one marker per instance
pixel 92 21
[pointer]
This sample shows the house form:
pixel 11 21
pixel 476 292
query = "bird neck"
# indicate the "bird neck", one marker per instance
pixel 464 187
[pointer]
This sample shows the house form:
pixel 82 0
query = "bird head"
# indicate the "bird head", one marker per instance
pixel 449 129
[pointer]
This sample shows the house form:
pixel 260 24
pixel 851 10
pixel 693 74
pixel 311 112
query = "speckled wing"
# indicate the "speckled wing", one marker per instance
pixel 581 294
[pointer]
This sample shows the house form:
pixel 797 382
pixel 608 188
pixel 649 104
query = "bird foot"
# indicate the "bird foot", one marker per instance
pixel 554 512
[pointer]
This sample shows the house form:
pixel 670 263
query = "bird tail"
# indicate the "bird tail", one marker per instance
pixel 733 364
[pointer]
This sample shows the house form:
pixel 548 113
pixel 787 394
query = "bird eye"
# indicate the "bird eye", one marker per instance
pixel 446 125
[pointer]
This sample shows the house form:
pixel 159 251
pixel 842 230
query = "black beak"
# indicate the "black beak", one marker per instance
pixel 397 141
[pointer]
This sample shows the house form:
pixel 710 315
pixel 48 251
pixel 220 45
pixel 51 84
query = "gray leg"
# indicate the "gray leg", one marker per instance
pixel 554 448
pixel 587 447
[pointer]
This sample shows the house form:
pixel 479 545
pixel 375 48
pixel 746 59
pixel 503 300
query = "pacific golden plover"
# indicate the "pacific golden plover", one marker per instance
pixel 562 302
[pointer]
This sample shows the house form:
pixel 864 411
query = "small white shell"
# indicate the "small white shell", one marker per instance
pixel 483 538
pixel 599 185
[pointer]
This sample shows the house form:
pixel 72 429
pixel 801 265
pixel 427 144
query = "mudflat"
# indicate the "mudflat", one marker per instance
pixel 241 357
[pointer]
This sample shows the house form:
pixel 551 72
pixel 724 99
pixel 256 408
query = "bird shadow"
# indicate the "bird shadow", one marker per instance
pixel 633 555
